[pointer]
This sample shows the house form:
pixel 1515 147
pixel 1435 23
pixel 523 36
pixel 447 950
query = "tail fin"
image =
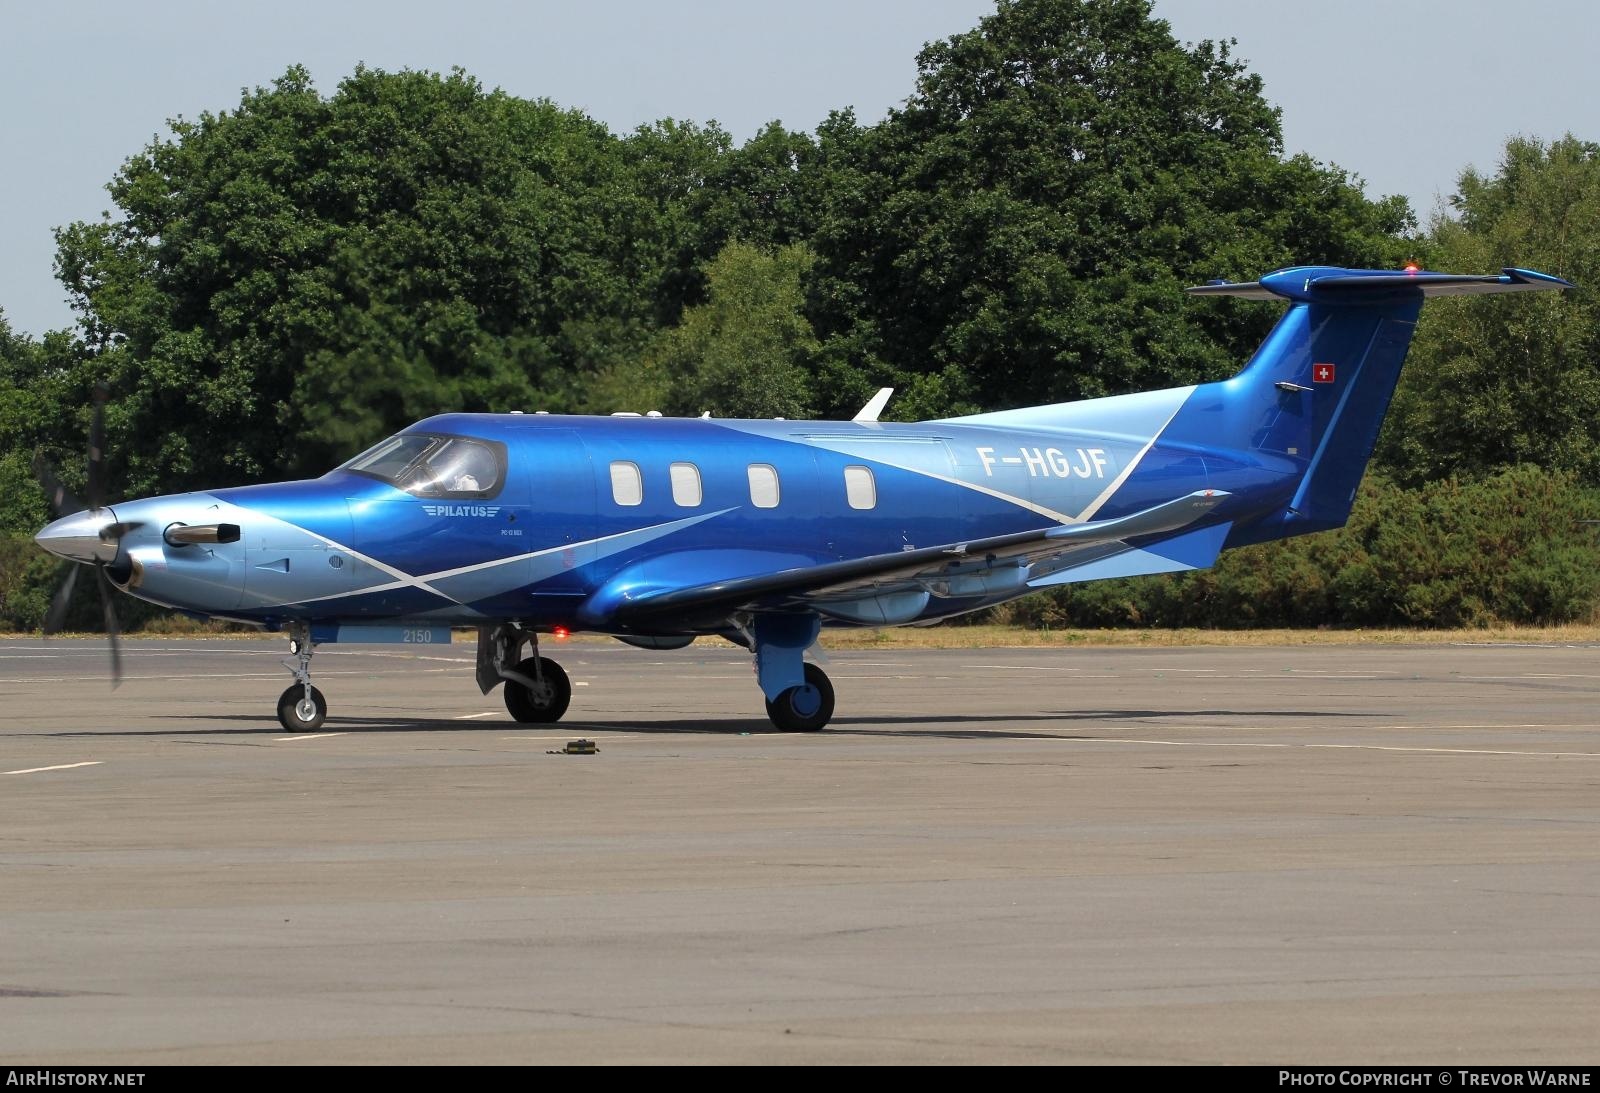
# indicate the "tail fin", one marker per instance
pixel 1317 389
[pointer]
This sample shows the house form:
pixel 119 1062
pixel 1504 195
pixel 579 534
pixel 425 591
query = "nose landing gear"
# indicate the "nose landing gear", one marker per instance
pixel 301 708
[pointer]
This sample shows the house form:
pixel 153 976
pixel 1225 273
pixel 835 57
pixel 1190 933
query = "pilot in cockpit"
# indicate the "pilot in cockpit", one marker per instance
pixel 474 465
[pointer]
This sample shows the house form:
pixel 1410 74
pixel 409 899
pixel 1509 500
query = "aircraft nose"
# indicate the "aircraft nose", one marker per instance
pixel 89 536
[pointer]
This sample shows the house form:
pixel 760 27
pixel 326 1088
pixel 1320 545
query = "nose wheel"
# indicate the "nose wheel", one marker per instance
pixel 302 708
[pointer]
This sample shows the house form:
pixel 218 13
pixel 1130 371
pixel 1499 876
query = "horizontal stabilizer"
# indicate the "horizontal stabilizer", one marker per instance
pixel 1192 550
pixel 1167 516
pixel 1331 284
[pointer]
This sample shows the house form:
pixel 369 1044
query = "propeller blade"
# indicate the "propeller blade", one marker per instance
pixel 58 603
pixel 97 448
pixel 106 592
pixel 59 498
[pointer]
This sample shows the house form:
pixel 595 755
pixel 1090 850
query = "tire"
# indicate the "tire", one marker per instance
pixel 295 716
pixel 530 707
pixel 806 708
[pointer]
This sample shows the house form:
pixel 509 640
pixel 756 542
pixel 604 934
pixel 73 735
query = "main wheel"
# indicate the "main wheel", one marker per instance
pixel 543 704
pixel 298 714
pixel 806 708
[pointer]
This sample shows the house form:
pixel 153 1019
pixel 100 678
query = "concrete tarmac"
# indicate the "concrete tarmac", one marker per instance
pixel 1309 855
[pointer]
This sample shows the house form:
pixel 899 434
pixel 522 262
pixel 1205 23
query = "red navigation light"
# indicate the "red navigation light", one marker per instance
pixel 561 633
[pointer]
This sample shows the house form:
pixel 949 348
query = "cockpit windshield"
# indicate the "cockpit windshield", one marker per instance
pixel 433 465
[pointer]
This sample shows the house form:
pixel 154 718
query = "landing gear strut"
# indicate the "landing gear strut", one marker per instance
pixel 301 708
pixel 799 695
pixel 537 689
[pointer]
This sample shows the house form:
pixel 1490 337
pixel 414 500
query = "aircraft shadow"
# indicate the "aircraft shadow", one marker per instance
pixel 842 726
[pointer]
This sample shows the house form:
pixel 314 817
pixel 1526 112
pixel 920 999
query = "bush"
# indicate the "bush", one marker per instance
pixel 1521 546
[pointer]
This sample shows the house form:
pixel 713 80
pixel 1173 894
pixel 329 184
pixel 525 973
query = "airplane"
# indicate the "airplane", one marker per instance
pixel 659 530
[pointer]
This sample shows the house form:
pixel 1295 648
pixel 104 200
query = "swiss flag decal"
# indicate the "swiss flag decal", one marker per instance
pixel 1322 373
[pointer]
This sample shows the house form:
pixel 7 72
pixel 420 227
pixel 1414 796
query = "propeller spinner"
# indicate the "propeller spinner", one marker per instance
pixel 91 535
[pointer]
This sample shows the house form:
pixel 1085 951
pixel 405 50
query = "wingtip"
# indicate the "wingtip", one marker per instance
pixel 1534 277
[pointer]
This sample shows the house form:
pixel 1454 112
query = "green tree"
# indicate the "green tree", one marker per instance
pixel 1515 547
pixel 695 192
pixel 38 414
pixel 1020 231
pixel 1491 383
pixel 746 351
pixel 297 277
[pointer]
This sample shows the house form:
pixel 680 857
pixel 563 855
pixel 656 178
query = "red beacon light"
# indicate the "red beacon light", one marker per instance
pixel 1412 267
pixel 560 633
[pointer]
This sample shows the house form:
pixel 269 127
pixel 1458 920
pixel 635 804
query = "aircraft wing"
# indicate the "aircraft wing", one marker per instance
pixel 862 589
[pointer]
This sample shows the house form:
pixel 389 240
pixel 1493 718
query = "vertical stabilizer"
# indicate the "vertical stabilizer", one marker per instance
pixel 1317 390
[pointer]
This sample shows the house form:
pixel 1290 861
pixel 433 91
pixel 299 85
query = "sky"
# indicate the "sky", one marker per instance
pixel 1404 93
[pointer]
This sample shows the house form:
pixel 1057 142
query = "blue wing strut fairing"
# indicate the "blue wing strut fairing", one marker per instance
pixel 659 530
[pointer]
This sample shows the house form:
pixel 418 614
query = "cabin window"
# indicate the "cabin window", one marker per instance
pixel 859 488
pixel 627 485
pixel 763 485
pixel 685 485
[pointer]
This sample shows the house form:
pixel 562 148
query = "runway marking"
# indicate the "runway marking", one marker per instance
pixel 308 736
pixel 63 766
pixel 393 656
pixel 1350 747
pixel 1463 751
pixel 473 716
pixel 100 653
pixel 1536 675
pixel 221 675
pixel 1494 726
pixel 1020 667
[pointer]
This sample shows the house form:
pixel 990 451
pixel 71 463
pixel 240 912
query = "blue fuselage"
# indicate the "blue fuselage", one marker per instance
pixel 591 504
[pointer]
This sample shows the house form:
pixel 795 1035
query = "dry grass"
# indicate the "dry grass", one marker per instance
pixel 978 637
pixel 999 637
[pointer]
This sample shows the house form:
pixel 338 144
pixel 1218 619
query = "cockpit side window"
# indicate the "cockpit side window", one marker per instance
pixel 388 458
pixel 430 465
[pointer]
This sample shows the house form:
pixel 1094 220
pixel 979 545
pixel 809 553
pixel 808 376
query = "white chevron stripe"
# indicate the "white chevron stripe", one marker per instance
pixel 424 581
pixel 1106 494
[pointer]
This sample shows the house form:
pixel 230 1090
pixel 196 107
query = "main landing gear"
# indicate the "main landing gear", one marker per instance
pixel 799 695
pixel 537 688
pixel 805 708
